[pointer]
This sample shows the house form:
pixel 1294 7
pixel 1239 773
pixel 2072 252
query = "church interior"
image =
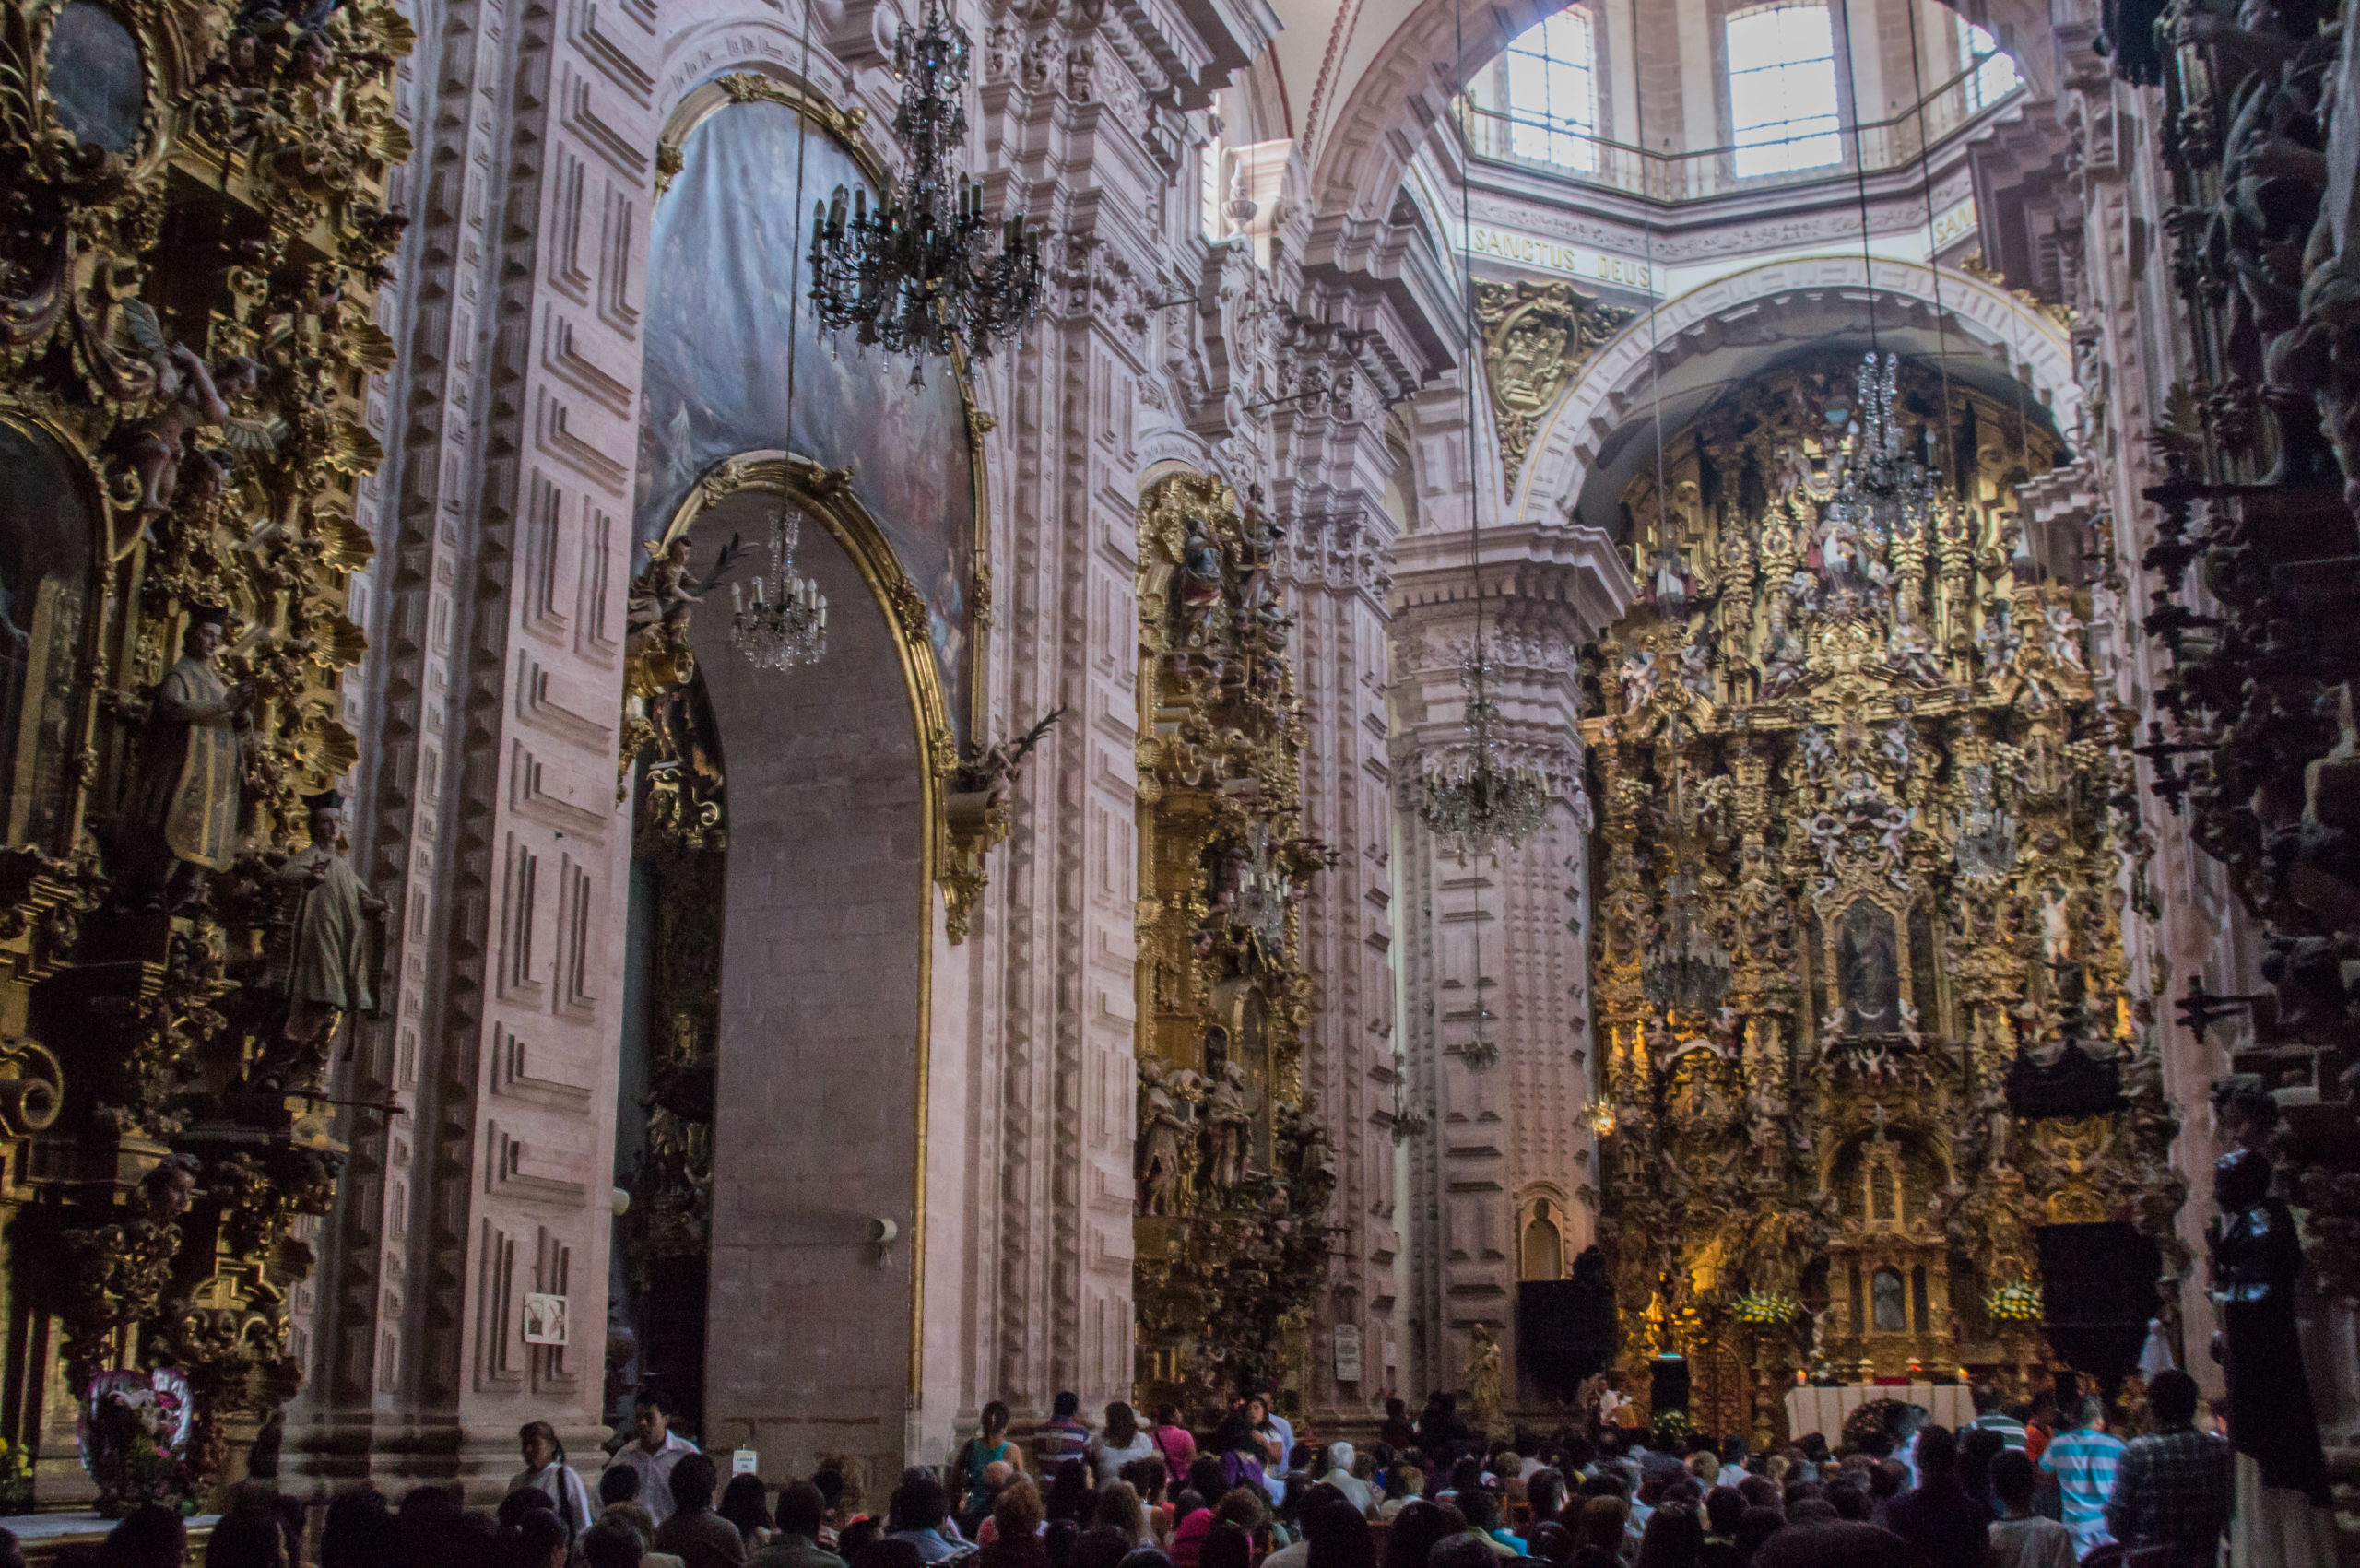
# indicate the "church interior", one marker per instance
pixel 837 709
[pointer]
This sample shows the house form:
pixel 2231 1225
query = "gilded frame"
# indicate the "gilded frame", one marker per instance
pixel 99 607
pixel 761 82
pixel 825 494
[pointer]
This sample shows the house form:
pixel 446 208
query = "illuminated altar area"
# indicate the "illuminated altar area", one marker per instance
pixel 1867 1046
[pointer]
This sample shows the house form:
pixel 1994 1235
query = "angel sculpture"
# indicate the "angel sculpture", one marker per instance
pixel 195 398
pixel 1909 1030
pixel 662 593
pixel 993 770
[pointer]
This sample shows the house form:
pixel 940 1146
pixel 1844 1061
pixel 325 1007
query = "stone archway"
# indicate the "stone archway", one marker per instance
pixel 825 975
pixel 1402 90
pixel 1739 325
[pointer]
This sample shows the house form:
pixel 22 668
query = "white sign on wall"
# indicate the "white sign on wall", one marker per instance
pixel 1348 1352
pixel 544 1318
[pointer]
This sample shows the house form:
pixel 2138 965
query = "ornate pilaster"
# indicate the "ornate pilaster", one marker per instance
pixel 1502 941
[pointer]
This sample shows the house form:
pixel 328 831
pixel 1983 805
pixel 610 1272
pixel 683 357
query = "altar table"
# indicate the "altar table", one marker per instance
pixel 1823 1409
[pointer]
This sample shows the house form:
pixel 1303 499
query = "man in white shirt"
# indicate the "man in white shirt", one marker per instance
pixel 655 1450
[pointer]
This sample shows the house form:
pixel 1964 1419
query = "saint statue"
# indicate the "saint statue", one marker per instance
pixel 1227 1121
pixel 336 945
pixel 180 814
pixel 1482 1373
pixel 1164 1118
pixel 2256 1259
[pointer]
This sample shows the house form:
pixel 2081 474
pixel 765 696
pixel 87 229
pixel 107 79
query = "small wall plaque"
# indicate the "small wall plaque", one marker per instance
pixel 544 1318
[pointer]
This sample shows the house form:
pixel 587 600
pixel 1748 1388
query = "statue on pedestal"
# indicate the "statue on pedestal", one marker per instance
pixel 336 945
pixel 1484 1407
pixel 180 816
pixel 2256 1259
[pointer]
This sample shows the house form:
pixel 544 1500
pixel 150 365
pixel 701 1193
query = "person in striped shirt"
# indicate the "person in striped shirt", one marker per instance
pixel 1992 1418
pixel 2084 1462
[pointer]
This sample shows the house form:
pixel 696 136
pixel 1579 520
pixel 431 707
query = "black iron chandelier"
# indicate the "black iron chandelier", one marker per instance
pixel 918 272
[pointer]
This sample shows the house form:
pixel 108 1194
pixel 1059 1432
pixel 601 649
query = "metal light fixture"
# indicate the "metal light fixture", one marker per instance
pixel 1878 486
pixel 785 624
pixel 1474 796
pixel 917 271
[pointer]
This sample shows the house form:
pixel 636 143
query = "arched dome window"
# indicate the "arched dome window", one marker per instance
pixel 1782 89
pixel 1990 76
pixel 1550 89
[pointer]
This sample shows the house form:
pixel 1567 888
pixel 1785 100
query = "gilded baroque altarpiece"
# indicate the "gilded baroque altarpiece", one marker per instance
pixel 190 245
pixel 1864 822
pixel 1235 1170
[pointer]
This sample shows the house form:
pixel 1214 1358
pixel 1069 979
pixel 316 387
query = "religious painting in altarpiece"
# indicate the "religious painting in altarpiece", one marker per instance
pixel 194 238
pixel 1862 989
pixel 1234 1168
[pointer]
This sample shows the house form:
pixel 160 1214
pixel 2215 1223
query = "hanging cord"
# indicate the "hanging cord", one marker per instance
pixel 1473 365
pixel 1655 323
pixel 795 259
pixel 1860 173
pixel 1480 730
pixel 1933 260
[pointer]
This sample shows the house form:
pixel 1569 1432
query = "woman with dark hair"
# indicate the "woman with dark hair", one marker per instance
pixel 1145 1478
pixel 1118 1507
pixel 546 1472
pixel 1227 1546
pixel 1675 1539
pixel 1118 1443
pixel 1977 1446
pixel 746 1503
pixel 1415 1529
pixel 1338 1537
pixel 1174 1444
pixel 1057 1540
pixel 1069 1493
pixel 536 1540
pixel 989 1446
pixel 1101 1546
pixel 1403 1484
pixel 1241 1452
pixel 359 1532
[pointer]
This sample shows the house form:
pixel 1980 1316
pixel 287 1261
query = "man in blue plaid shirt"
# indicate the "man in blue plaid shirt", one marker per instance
pixel 2174 1488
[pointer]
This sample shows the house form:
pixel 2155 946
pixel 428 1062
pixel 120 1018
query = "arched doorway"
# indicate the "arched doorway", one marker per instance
pixel 784 1059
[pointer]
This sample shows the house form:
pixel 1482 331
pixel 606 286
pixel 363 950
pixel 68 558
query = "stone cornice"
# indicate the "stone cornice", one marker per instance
pixel 1537 578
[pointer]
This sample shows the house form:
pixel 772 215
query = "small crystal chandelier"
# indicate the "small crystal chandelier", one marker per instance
pixel 917 271
pixel 1475 798
pixel 1880 487
pixel 785 624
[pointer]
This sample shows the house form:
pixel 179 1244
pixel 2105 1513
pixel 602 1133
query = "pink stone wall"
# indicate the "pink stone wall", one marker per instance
pixel 816 1133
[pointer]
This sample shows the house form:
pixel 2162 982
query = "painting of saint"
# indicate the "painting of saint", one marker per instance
pixel 1867 972
pixel 727 310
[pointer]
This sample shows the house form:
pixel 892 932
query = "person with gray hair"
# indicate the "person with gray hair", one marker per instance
pixel 1339 1475
pixel 2083 1461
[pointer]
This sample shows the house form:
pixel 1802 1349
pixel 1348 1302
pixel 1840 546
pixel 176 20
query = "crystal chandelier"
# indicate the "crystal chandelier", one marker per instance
pixel 1880 487
pixel 917 271
pixel 785 624
pixel 1475 798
